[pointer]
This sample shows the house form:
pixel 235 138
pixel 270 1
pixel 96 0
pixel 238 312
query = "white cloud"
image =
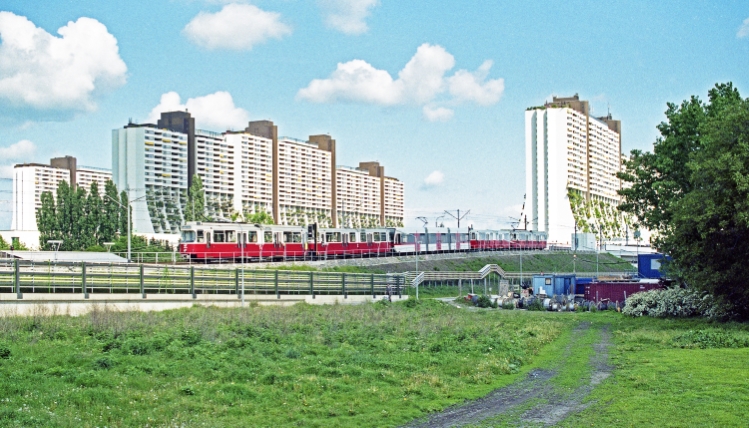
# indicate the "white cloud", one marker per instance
pixel 438 114
pixel 21 151
pixel 347 16
pixel 421 82
pixel 744 29
pixel 45 72
pixel 214 111
pixel 434 179
pixel 235 26
pixel 467 86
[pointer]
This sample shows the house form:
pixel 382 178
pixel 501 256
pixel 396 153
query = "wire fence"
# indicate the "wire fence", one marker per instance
pixel 21 277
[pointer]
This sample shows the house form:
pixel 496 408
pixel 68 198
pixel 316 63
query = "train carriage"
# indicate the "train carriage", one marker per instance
pixel 436 241
pixel 208 240
pixel 353 242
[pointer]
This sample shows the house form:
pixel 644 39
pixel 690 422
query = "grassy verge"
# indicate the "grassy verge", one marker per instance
pixel 368 365
pixel 672 373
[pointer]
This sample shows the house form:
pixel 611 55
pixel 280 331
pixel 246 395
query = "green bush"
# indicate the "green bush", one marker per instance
pixel 484 301
pixel 536 305
pixel 4 351
pixel 508 305
pixel 673 302
pixel 593 308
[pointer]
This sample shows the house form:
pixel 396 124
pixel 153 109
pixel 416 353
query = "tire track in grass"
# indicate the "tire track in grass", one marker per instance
pixel 504 400
pixel 558 407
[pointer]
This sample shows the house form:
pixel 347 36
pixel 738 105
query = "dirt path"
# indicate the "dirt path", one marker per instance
pixel 553 406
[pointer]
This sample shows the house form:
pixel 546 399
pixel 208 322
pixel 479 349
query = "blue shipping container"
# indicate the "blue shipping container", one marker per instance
pixel 553 285
pixel 649 265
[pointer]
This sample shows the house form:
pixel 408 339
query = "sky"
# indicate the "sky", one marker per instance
pixel 435 91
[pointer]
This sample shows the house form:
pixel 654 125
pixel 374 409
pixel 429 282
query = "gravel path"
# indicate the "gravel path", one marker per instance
pixel 554 406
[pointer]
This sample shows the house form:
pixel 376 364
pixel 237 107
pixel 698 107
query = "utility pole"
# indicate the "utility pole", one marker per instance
pixel 459 217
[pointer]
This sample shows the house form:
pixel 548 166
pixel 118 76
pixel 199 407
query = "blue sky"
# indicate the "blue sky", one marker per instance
pixel 436 91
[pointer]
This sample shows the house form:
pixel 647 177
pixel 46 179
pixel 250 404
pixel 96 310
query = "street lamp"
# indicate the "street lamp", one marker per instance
pixel 128 216
pixel 55 244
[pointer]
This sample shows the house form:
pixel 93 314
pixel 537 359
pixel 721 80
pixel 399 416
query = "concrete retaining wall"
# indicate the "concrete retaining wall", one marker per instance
pixel 74 304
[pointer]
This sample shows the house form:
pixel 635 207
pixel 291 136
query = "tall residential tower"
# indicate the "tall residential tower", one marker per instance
pixel 571 163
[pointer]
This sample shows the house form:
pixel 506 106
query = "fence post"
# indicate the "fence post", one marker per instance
pixel 312 284
pixel 17 280
pixel 236 283
pixel 83 280
pixel 192 282
pixel 398 286
pixel 371 285
pixel 275 282
pixel 142 285
pixel 343 281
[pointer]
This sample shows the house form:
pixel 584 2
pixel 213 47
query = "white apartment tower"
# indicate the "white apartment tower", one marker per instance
pixel 30 180
pixel 567 150
pixel 151 165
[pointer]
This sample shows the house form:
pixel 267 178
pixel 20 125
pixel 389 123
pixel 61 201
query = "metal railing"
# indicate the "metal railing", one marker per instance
pixel 21 277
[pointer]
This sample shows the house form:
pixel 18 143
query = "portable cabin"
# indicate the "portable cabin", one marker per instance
pixel 554 285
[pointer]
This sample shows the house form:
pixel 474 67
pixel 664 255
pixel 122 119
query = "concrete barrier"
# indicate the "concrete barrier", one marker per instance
pixel 75 304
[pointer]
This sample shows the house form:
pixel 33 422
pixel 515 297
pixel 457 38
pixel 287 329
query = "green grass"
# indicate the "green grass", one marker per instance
pixel 550 262
pixel 368 365
pixel 663 377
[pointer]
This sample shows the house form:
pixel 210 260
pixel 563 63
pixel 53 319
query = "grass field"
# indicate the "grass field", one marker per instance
pixel 547 262
pixel 368 365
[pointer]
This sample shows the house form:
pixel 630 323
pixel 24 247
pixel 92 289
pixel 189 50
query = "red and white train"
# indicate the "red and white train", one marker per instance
pixel 204 240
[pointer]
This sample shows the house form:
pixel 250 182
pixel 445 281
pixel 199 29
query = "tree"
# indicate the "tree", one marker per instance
pixel 693 192
pixel 110 221
pixel 92 219
pixel 260 217
pixel 125 205
pixel 195 207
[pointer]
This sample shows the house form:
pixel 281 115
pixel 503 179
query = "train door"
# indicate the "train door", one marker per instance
pixel 439 242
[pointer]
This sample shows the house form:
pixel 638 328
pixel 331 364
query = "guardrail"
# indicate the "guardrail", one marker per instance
pixel 21 277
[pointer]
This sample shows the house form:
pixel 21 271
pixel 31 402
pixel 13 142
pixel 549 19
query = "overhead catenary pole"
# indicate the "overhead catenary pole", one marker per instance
pixel 459 217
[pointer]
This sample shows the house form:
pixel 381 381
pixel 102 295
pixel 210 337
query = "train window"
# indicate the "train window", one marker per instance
pixel 268 237
pixel 188 236
pixel 230 236
pixel 375 236
pixel 296 237
pixel 252 237
pixel 332 236
pixel 201 237
pixel 352 237
pixel 363 237
pixel 218 236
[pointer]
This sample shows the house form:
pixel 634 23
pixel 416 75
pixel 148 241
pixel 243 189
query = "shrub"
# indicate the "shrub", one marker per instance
pixel 593 308
pixel 536 305
pixel 508 305
pixel 673 302
pixel 4 351
pixel 484 301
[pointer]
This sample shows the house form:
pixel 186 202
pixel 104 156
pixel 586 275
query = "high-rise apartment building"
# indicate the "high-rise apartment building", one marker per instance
pixel 150 164
pixel 246 172
pixel 570 156
pixel 30 180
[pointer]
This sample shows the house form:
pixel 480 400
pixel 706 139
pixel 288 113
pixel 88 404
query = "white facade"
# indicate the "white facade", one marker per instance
pixel 394 202
pixel 358 197
pixel 567 149
pixel 29 182
pixel 252 188
pixel 304 182
pixel 85 175
pixel 215 164
pixel 151 165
